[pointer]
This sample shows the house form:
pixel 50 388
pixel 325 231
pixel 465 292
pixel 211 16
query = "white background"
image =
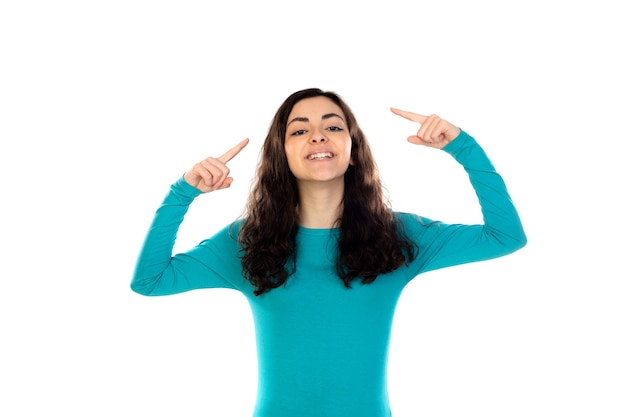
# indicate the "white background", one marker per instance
pixel 104 104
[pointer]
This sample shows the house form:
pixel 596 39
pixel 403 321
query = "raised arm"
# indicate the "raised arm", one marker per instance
pixel 443 245
pixel 157 272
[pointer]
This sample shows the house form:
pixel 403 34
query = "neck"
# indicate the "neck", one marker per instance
pixel 320 205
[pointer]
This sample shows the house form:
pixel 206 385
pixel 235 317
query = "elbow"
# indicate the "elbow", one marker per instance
pixel 522 241
pixel 508 241
pixel 140 288
pixel 517 241
pixel 519 244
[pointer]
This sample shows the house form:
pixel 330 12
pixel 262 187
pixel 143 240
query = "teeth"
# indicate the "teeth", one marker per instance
pixel 320 155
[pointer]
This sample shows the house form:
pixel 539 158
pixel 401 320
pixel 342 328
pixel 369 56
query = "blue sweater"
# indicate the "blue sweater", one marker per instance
pixel 322 348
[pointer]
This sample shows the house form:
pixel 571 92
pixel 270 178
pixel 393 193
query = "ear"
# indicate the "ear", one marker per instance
pixel 352 151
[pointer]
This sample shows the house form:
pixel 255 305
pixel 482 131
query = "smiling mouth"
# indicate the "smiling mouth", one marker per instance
pixel 320 155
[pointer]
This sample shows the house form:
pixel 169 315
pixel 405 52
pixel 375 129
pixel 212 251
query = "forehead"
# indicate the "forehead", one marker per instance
pixel 315 106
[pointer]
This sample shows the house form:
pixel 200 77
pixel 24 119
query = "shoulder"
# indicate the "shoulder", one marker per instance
pixel 227 235
pixel 405 218
pixel 412 223
pixel 412 219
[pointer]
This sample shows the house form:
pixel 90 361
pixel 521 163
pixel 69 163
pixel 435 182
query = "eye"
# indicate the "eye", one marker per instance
pixel 299 132
pixel 335 129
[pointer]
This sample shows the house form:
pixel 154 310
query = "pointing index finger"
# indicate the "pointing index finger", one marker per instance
pixel 231 153
pixel 414 117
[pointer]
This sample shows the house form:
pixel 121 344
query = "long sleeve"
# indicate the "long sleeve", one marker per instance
pixel 211 264
pixel 442 245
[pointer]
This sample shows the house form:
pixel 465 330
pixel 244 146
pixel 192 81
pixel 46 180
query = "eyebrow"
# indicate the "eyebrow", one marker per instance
pixel 306 119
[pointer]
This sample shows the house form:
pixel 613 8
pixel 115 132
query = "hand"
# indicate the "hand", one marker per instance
pixel 434 132
pixel 212 173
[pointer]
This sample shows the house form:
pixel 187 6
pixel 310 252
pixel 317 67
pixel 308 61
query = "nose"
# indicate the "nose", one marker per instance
pixel 318 136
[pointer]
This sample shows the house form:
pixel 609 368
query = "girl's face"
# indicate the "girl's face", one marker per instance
pixel 317 141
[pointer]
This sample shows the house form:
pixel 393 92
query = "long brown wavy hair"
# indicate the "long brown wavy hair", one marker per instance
pixel 371 240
